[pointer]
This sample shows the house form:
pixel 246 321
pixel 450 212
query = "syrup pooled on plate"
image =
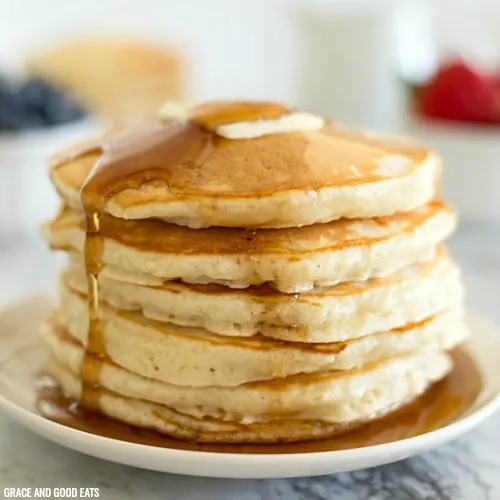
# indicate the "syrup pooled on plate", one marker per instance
pixel 442 404
pixel 129 160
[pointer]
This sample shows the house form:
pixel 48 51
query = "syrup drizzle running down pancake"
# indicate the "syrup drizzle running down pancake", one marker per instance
pixel 261 179
pixel 202 176
pixel 130 160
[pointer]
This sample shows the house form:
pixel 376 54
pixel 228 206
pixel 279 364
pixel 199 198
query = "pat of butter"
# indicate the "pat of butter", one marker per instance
pixel 291 122
pixel 247 129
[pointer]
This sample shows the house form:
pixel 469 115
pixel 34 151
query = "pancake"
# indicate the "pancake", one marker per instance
pixel 292 260
pixel 118 78
pixel 194 357
pixel 187 175
pixel 249 272
pixel 331 314
pixel 307 407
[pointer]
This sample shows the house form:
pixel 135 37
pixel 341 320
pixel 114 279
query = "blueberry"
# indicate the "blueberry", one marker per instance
pixel 35 93
pixel 55 107
pixel 35 104
pixel 13 111
pixel 62 109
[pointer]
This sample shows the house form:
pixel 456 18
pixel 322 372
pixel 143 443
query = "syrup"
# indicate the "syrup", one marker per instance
pixel 129 160
pixel 443 403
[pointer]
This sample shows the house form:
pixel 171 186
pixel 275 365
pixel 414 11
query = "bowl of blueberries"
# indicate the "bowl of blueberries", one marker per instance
pixel 34 105
pixel 36 119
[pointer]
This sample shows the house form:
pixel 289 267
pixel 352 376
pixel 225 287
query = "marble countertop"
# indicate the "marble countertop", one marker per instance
pixel 467 469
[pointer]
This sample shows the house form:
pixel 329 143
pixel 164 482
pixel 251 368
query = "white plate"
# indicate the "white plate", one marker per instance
pixel 21 356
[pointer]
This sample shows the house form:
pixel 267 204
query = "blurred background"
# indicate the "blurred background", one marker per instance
pixel 427 68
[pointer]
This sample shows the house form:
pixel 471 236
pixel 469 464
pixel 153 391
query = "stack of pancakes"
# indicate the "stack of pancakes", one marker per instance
pixel 287 282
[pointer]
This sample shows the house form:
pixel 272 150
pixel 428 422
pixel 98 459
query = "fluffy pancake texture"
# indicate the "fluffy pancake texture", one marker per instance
pixel 331 314
pixel 280 180
pixel 251 273
pixel 305 408
pixel 165 351
pixel 293 260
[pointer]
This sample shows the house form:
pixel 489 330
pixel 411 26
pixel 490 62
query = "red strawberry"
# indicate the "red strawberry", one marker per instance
pixel 459 93
pixel 495 82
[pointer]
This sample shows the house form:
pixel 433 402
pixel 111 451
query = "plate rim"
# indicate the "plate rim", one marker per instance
pixel 467 421
pixel 87 443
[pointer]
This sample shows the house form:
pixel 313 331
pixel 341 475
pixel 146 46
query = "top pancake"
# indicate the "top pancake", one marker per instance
pixel 279 180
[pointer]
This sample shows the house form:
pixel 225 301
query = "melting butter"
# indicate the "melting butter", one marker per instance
pixel 243 119
pixel 293 122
